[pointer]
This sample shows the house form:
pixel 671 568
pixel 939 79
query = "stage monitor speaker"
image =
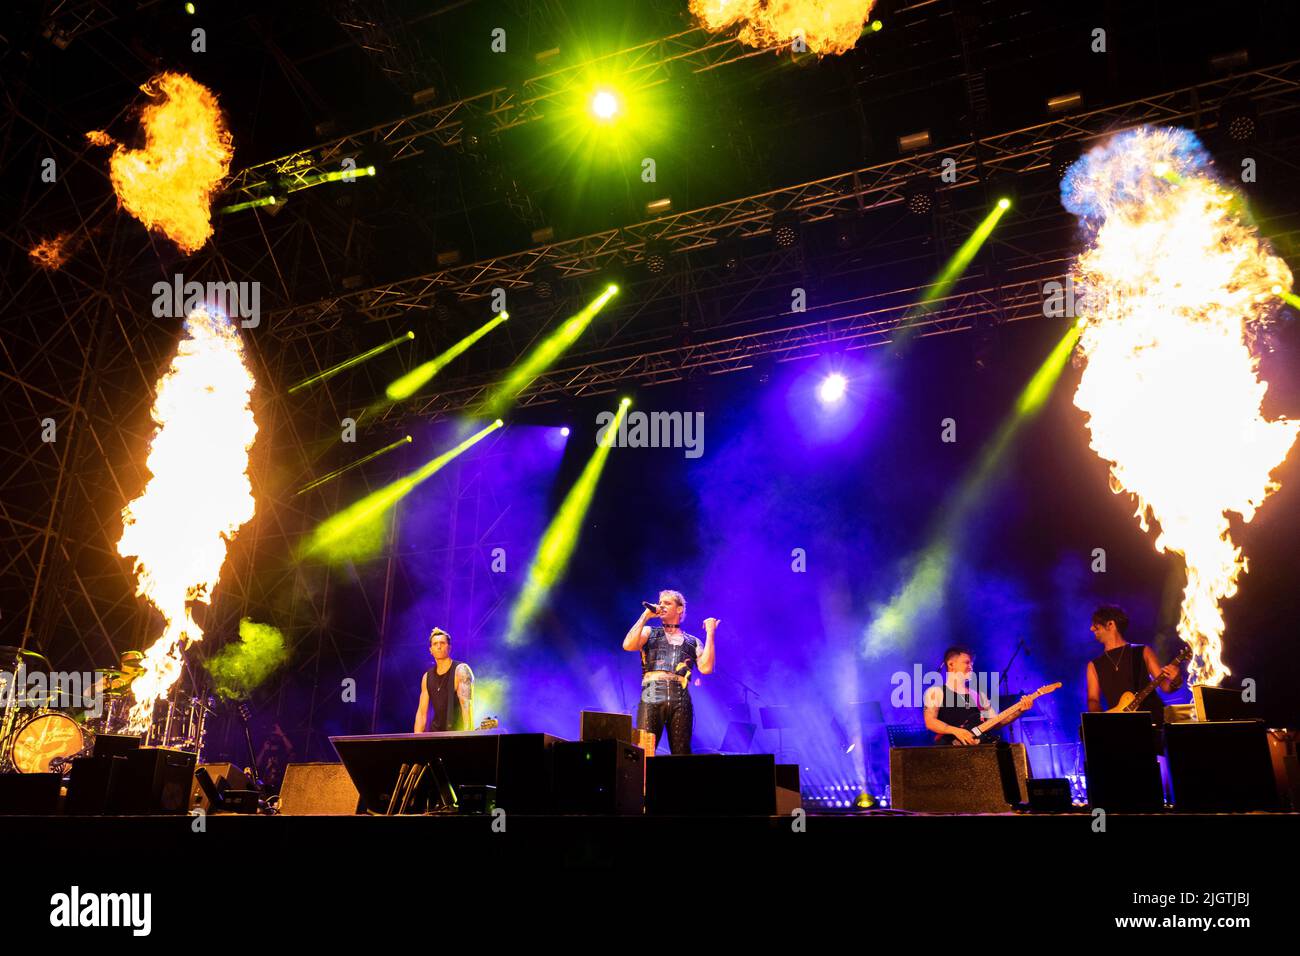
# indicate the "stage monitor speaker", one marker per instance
pixel 227 776
pixel 1120 762
pixel 788 798
pixel 318 789
pixel 601 726
pixel 722 784
pixel 1222 703
pixel 989 778
pixel 91 782
pixel 154 780
pixel 1049 794
pixel 115 745
pixel 30 793
pixel 599 776
pixel 1221 766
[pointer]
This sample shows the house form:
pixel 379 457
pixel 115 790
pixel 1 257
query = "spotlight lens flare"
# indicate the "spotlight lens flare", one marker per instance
pixel 832 389
pixel 565 431
pixel 604 105
pixel 1004 203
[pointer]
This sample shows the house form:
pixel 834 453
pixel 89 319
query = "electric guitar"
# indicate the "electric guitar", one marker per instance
pixel 1004 715
pixel 1129 701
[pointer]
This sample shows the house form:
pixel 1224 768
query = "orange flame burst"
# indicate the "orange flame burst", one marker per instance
pixel 198 497
pixel 827 26
pixel 51 253
pixel 168 185
pixel 1175 286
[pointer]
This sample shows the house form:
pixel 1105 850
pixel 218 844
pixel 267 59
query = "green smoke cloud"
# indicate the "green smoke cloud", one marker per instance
pixel 238 668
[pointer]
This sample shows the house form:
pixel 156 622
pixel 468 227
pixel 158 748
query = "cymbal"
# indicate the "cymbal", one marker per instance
pixel 9 653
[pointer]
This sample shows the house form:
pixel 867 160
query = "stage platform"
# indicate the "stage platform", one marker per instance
pixel 326 870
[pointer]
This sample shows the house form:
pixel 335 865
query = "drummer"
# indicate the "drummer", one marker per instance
pixel 115 684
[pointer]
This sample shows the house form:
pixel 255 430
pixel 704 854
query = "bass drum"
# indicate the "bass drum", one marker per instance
pixel 47 742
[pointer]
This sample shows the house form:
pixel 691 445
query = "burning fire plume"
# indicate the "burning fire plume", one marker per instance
pixel 827 26
pixel 1173 289
pixel 198 495
pixel 51 253
pixel 168 185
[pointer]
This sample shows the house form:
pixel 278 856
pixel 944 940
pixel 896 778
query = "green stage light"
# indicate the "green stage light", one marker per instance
pixel 414 380
pixel 561 536
pixel 1289 298
pixel 962 257
pixel 349 363
pixel 544 355
pixel 358 531
pixel 876 26
pixel 316 483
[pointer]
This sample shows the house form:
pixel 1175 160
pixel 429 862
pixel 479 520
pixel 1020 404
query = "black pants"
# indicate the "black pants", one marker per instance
pixel 667 704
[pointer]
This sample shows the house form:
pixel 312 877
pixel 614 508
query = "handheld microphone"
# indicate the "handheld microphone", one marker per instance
pixel 649 607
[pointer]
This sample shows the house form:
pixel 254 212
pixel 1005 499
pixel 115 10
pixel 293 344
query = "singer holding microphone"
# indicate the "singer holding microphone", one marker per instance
pixel 668 657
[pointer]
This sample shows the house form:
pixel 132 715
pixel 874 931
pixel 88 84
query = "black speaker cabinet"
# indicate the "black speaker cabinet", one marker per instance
pixel 1120 759
pixel 601 726
pixel 154 780
pixel 1221 766
pixel 30 793
pixel 226 776
pixel 599 776
pixel 989 778
pixel 91 782
pixel 724 784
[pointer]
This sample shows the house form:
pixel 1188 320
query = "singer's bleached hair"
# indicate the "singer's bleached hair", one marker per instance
pixel 676 596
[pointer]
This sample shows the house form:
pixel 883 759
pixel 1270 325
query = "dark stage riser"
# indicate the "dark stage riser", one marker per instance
pixel 757 875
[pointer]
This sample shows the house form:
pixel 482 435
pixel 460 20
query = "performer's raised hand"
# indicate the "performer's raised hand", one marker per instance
pixel 711 624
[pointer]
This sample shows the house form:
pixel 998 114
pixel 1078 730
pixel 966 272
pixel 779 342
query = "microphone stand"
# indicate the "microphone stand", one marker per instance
pixel 1002 678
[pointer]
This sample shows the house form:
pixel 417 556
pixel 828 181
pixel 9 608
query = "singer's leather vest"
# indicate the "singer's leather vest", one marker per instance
pixel 659 654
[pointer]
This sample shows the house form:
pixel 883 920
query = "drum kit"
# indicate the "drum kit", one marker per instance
pixel 38 735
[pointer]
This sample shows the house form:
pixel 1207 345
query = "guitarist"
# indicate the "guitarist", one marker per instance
pixel 1124 667
pixel 954 709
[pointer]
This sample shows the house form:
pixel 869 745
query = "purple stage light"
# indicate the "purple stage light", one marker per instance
pixel 565 431
pixel 832 388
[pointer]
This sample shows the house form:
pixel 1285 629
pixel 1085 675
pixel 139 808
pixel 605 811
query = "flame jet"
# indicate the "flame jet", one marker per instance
pixel 1173 288
pixel 198 495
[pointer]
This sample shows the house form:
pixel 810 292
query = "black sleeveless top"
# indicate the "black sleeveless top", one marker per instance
pixel 1123 670
pixel 960 710
pixel 444 706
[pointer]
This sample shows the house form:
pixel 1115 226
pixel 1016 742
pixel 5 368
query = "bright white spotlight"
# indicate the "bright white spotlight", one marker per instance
pixel 832 388
pixel 565 431
pixel 604 105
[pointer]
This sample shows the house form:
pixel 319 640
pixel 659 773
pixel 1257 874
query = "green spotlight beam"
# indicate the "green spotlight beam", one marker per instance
pixel 561 536
pixel 544 355
pixel 958 264
pixel 338 175
pixel 1290 298
pixel 348 467
pixel 357 532
pixel 895 623
pixel 251 204
pixel 355 360
pixel 418 377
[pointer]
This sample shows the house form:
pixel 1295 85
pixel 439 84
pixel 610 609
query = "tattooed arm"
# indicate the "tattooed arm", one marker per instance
pixel 465 691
